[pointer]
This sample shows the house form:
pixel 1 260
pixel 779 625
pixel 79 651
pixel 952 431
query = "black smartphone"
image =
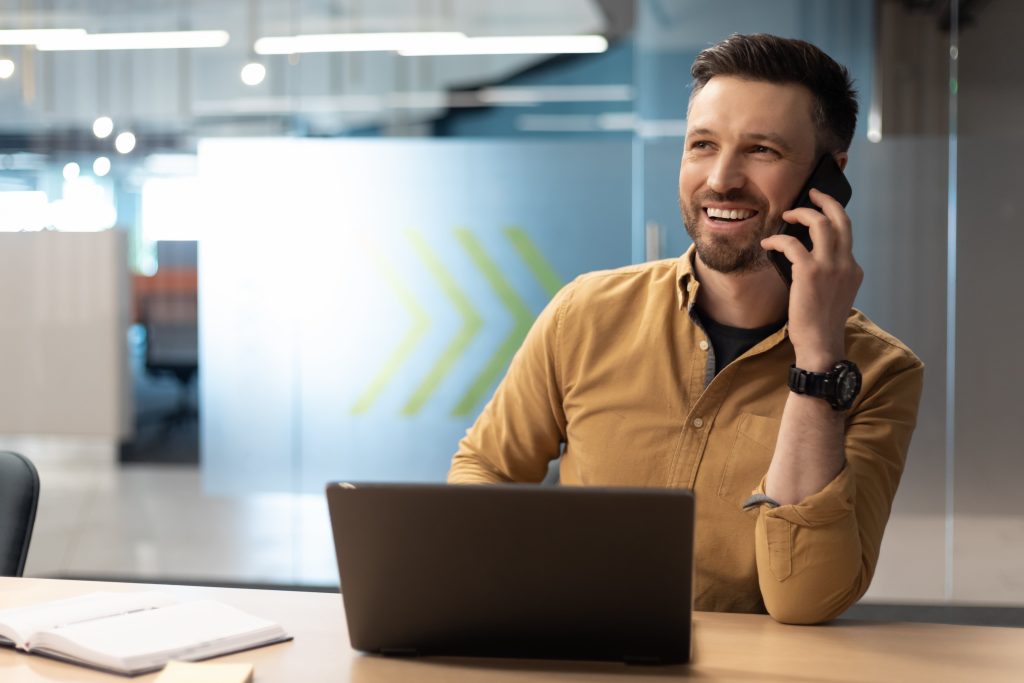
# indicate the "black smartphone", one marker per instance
pixel 827 177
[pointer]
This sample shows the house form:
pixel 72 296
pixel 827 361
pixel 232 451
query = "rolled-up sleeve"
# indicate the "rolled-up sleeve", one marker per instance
pixel 522 427
pixel 815 558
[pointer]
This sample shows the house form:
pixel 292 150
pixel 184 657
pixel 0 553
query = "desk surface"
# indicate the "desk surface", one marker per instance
pixel 727 647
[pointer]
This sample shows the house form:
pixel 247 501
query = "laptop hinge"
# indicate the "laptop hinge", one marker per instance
pixel 642 659
pixel 399 651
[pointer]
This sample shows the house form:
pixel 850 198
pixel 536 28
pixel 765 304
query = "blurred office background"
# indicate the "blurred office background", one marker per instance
pixel 254 246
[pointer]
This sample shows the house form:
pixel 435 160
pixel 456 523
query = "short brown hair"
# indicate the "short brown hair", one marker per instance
pixel 764 57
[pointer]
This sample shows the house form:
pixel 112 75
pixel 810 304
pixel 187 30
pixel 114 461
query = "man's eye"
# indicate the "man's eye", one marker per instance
pixel 761 149
pixel 700 144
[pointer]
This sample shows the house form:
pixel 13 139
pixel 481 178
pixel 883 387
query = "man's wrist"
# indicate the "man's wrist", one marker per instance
pixel 838 386
pixel 818 362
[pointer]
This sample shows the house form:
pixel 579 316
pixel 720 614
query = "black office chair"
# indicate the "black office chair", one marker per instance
pixel 19 496
pixel 171 322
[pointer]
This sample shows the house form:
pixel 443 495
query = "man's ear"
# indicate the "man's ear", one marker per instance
pixel 841 159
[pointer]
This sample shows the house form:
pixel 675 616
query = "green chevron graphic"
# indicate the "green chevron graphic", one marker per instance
pixel 419 328
pixel 522 318
pixel 471 324
pixel 534 260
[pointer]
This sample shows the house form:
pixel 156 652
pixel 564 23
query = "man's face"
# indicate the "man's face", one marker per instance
pixel 750 146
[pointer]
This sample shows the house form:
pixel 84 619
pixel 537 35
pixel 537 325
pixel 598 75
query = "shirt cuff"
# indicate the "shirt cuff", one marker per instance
pixel 828 505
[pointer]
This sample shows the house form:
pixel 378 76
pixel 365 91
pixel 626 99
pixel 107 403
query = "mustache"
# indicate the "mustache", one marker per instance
pixel 737 196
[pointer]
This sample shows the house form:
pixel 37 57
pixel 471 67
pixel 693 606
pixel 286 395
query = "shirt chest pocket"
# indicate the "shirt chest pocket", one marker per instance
pixel 747 462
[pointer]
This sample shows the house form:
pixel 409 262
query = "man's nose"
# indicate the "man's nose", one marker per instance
pixel 726 174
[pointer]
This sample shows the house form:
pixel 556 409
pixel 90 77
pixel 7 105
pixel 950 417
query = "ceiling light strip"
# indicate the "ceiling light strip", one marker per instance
pixel 355 42
pixel 153 40
pixel 537 94
pixel 513 45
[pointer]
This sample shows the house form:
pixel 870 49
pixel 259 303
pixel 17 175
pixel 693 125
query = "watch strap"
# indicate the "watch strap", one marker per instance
pixel 832 386
pixel 807 382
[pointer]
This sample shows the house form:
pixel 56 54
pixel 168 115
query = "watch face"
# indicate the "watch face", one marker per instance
pixel 848 385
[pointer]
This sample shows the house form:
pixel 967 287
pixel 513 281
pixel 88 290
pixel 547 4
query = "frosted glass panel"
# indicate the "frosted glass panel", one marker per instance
pixel 361 299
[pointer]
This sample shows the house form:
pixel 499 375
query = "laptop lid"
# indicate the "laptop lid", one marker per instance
pixel 516 570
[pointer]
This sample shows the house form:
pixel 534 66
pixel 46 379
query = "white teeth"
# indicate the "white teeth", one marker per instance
pixel 730 214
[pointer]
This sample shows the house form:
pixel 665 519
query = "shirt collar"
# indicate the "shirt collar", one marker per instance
pixel 686 279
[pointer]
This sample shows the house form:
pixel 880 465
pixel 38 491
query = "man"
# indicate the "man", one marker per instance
pixel 678 372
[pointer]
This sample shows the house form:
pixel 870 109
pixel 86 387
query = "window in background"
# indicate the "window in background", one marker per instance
pixel 171 210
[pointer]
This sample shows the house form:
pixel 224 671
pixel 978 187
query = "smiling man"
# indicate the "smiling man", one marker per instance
pixel 788 412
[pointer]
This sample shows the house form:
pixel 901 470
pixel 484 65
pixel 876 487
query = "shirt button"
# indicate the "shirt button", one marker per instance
pixel 698 422
pixel 703 345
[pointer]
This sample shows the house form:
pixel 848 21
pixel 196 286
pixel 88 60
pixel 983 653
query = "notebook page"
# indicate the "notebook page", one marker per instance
pixel 18 624
pixel 146 640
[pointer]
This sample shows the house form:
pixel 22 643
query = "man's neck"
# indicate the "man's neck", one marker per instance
pixel 749 300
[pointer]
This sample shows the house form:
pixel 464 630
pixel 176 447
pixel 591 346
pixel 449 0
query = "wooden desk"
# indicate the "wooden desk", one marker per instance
pixel 727 647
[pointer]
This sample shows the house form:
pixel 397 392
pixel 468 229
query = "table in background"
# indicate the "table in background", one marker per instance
pixel 727 647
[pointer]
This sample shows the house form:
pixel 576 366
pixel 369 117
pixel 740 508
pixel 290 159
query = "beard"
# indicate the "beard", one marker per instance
pixel 727 252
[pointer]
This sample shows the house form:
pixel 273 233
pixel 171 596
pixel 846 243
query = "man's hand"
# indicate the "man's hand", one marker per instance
pixel 809 450
pixel 825 282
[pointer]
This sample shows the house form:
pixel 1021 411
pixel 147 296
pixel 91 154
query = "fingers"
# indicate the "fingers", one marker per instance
pixel 838 217
pixel 822 232
pixel 830 227
pixel 832 237
pixel 791 248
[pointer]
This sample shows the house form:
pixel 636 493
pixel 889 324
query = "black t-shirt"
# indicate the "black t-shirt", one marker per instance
pixel 730 343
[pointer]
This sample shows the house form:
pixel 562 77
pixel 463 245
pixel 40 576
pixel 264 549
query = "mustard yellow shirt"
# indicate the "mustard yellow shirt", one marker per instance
pixel 618 370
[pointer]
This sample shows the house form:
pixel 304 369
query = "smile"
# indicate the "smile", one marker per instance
pixel 729 214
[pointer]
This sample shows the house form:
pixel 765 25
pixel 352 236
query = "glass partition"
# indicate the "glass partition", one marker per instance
pixel 986 210
pixel 368 236
pixel 362 298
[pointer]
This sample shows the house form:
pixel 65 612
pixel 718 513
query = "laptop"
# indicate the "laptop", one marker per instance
pixel 516 570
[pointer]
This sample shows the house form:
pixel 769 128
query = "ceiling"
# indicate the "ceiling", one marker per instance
pixel 169 97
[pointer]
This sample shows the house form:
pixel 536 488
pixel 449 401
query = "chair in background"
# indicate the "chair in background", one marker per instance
pixel 19 497
pixel 172 348
pixel 166 305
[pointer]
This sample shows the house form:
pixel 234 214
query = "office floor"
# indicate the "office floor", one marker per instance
pixel 138 521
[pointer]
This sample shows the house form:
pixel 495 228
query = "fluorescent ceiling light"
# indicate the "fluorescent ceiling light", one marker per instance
pixel 354 42
pixel 536 94
pixel 287 105
pixel 101 166
pixel 125 142
pixel 31 36
pixel 156 40
pixel 513 45
pixel 661 128
pixel 617 121
pixel 253 73
pixel 577 123
pixel 557 123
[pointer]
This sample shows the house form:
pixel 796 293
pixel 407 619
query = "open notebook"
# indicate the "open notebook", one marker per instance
pixel 133 633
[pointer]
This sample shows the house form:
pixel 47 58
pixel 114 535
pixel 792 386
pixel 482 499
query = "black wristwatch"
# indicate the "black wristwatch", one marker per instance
pixel 839 386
